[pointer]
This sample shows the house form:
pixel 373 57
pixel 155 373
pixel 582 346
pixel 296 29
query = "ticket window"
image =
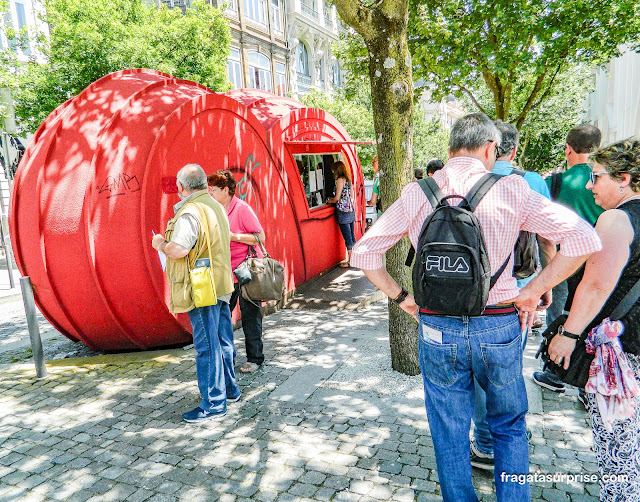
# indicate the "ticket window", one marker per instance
pixel 317 178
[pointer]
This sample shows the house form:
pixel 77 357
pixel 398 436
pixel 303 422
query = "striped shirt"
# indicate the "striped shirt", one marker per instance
pixel 508 207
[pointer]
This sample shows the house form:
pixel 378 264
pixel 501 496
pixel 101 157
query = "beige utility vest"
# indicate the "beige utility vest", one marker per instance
pixel 178 270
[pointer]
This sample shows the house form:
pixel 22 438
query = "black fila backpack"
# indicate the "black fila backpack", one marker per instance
pixel 451 273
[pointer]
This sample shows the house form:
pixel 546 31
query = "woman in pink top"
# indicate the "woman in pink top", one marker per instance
pixel 243 224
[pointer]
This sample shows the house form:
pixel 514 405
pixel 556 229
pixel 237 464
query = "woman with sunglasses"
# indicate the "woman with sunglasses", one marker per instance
pixel 608 275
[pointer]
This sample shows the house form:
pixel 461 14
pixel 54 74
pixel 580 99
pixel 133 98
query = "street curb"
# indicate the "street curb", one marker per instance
pixel 10 298
pixel 121 359
pixel 164 355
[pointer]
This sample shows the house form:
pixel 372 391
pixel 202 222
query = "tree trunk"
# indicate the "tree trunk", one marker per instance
pixel 384 29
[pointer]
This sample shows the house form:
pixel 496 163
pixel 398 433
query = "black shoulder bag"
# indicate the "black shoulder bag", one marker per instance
pixel 577 373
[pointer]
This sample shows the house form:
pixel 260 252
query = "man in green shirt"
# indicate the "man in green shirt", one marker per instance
pixel 581 141
pixel 568 188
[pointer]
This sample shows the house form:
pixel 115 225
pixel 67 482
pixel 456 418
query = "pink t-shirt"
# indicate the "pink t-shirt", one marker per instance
pixel 242 220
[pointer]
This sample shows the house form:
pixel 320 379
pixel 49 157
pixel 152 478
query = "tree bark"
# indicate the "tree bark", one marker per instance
pixel 383 26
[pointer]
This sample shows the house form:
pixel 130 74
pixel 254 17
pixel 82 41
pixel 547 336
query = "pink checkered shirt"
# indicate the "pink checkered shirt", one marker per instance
pixel 508 207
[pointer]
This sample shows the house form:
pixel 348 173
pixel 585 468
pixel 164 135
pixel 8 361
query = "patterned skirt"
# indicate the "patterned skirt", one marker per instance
pixel 618 451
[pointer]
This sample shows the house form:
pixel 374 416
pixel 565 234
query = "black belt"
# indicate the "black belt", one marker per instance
pixel 502 309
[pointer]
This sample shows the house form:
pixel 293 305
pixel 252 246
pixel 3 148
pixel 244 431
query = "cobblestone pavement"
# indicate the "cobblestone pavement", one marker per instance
pixel 14 336
pixel 324 419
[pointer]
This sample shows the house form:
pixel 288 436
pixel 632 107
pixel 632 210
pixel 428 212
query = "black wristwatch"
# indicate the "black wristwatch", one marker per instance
pixel 563 332
pixel 401 297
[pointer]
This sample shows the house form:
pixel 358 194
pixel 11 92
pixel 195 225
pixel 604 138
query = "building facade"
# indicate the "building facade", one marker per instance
pixel 259 51
pixel 285 47
pixel 22 16
pixel 312 30
pixel 614 105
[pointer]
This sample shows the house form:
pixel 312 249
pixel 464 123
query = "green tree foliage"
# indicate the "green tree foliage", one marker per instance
pixel 430 140
pixel 354 115
pixel 544 133
pixel 514 49
pixel 91 38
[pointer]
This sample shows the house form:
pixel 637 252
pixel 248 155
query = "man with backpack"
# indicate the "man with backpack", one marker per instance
pixel 469 325
pixel 569 189
pixel 525 265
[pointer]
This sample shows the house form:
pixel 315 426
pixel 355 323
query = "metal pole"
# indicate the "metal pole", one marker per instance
pixel 4 227
pixel 34 329
pixel 7 254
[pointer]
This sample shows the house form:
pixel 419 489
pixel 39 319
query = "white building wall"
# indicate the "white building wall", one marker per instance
pixel 614 106
pixel 25 13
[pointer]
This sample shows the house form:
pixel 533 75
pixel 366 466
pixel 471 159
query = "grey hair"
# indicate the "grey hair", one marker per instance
pixel 509 137
pixel 472 132
pixel 192 177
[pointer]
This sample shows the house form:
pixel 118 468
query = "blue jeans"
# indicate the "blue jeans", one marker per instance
pixel 481 433
pixel 213 341
pixel 486 348
pixel 347 234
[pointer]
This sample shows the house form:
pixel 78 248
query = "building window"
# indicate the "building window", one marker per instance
pixel 234 67
pixel 9 24
pixel 276 15
pixel 337 75
pixel 302 59
pixel 281 79
pixel 259 71
pixel 22 23
pixel 231 5
pixel 177 4
pixel 255 9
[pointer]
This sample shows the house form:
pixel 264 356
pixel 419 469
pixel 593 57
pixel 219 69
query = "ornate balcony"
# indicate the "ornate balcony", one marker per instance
pixel 310 12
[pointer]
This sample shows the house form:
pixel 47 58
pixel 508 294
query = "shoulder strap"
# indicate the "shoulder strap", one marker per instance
pixel 205 228
pixel 480 189
pixel 519 172
pixel 556 182
pixel 431 190
pixel 264 250
pixel 627 302
pixel 496 276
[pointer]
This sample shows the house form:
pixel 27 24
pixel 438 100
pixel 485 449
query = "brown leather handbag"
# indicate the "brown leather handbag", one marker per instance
pixel 267 276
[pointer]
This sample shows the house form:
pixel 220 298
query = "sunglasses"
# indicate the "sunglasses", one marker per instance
pixel 593 177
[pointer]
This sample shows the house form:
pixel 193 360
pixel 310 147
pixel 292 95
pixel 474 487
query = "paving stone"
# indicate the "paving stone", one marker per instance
pixel 114 433
pixel 313 477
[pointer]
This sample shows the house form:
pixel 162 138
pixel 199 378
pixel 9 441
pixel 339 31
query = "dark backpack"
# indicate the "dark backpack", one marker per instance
pixel 525 253
pixel 451 273
pixel 556 183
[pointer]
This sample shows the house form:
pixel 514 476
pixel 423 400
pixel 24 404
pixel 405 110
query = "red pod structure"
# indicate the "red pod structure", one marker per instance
pixel 98 179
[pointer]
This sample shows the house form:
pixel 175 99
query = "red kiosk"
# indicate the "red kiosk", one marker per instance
pixel 99 178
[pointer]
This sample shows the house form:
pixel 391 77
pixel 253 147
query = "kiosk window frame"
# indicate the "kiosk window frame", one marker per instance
pixel 316 176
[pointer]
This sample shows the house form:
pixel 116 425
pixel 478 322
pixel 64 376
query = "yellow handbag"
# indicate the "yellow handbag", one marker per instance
pixel 203 288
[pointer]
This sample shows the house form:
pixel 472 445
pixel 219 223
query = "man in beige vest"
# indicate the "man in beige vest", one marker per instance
pixel 184 242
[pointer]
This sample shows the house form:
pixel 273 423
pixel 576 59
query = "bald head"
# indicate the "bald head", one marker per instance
pixel 192 178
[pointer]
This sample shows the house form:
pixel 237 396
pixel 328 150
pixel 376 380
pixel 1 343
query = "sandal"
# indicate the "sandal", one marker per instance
pixel 249 367
pixel 344 264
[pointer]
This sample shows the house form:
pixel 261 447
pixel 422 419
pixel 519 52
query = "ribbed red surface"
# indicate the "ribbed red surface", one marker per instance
pixel 89 192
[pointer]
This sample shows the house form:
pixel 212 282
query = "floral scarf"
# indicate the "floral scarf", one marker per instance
pixel 610 376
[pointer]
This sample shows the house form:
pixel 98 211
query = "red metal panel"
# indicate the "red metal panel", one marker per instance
pixel 98 179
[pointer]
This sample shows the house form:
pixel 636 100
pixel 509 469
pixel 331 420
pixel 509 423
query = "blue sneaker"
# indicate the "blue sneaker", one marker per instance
pixel 199 415
pixel 548 381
